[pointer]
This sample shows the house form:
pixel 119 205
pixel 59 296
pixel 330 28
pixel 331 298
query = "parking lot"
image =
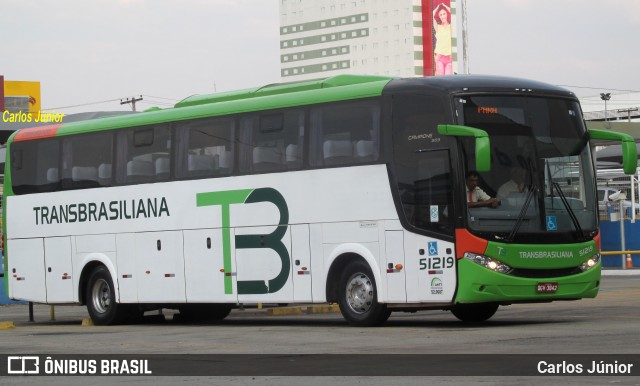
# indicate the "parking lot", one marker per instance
pixel 605 325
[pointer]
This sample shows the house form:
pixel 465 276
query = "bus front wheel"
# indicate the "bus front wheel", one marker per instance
pixel 358 297
pixel 474 312
pixel 101 299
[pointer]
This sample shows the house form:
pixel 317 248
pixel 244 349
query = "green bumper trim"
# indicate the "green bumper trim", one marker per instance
pixel 477 284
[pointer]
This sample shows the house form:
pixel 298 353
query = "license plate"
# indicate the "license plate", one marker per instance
pixel 547 288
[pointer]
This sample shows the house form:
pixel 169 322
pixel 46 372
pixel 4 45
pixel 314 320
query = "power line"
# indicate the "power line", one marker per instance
pixel 115 100
pixel 598 88
pixel 83 104
pixel 159 97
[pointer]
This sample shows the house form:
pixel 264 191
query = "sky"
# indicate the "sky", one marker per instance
pixel 84 52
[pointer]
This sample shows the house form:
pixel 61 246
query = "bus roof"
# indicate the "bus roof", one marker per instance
pixel 337 88
pixel 480 83
pixel 284 95
pixel 281 88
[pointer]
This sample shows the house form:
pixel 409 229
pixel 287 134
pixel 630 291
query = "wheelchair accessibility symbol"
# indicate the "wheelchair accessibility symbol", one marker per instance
pixel 552 224
pixel 433 248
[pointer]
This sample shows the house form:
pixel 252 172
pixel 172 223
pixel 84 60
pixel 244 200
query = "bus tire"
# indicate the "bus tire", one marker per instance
pixel 101 299
pixel 205 312
pixel 473 313
pixel 358 296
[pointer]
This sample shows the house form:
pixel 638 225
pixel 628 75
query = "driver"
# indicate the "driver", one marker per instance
pixel 477 197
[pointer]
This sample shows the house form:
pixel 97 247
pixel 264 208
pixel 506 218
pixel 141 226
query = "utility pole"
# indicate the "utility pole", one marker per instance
pixel 131 100
pixel 605 97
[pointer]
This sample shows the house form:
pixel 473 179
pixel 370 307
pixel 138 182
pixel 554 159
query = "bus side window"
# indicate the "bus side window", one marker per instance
pixel 207 148
pixel 272 142
pixel 83 156
pixel 345 134
pixel 147 154
pixel 35 166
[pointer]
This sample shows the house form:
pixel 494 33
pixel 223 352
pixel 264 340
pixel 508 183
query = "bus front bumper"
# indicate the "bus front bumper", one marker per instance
pixel 477 284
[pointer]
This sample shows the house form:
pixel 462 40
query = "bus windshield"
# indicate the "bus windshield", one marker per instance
pixel 541 169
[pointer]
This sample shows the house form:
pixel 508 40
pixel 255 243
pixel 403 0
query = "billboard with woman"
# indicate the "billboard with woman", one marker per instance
pixel 439 51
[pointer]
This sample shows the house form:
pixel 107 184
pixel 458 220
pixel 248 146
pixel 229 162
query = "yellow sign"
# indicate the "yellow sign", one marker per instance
pixel 24 89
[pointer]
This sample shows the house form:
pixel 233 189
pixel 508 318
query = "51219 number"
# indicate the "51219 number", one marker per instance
pixel 436 262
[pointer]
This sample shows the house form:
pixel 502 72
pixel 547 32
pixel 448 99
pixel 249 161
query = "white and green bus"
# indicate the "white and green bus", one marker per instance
pixel 347 190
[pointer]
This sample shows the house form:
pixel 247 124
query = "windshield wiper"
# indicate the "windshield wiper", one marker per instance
pixel 523 212
pixel 570 211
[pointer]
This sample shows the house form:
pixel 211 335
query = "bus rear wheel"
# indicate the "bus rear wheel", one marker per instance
pixel 101 299
pixel 358 297
pixel 471 313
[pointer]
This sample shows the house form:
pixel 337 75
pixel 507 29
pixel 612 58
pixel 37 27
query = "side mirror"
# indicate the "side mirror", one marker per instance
pixel 629 150
pixel 483 146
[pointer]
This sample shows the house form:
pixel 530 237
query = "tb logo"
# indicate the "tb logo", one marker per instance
pixel 272 241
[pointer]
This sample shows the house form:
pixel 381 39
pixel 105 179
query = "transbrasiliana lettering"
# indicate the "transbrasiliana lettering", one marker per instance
pixel 102 211
pixel 546 255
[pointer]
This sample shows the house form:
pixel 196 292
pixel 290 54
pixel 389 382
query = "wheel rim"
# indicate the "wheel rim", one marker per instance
pixel 359 294
pixel 101 296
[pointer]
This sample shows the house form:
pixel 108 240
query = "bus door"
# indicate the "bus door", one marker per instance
pixel 425 179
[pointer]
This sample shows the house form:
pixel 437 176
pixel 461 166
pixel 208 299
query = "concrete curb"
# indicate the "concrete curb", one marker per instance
pixel 319 309
pixel 7 325
pixel 323 309
pixel 621 272
pixel 284 311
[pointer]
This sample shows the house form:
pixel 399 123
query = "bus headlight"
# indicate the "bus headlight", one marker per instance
pixel 489 263
pixel 592 262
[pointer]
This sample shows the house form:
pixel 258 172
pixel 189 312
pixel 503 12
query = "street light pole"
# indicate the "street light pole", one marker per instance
pixel 605 97
pixel 465 43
